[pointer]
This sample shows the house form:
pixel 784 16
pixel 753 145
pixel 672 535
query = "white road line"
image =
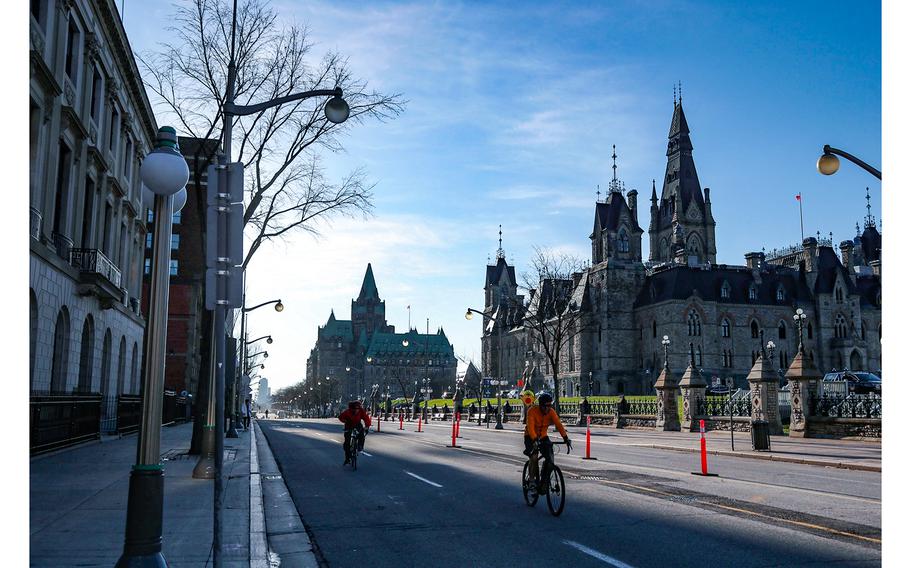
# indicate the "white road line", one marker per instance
pixel 422 479
pixel 366 454
pixel 324 436
pixel 600 556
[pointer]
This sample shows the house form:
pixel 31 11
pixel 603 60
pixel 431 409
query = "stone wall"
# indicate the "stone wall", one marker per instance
pixel 830 427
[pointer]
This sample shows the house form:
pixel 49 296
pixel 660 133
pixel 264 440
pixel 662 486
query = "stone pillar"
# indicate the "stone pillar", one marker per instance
pixel 667 413
pixel 803 379
pixel 763 392
pixel 692 386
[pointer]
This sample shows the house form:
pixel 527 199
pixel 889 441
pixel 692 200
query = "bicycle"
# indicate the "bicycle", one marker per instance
pixel 555 487
pixel 354 447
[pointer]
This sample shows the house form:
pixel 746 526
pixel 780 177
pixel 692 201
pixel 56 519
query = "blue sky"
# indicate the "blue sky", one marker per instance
pixel 512 112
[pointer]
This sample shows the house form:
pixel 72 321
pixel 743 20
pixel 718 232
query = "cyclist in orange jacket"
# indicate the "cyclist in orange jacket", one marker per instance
pixel 538 421
pixel 354 417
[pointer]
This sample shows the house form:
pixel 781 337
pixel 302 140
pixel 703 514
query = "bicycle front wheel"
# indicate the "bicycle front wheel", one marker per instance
pixel 556 491
pixel 529 486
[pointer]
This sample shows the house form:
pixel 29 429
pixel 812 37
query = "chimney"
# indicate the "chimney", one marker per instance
pixel 846 255
pixel 755 260
pixel 633 203
pixel 810 253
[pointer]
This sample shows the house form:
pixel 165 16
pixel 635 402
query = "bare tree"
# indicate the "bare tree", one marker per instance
pixel 555 313
pixel 286 187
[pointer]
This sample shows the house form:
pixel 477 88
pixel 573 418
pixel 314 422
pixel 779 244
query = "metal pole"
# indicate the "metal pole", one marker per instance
pixel 145 505
pixel 499 390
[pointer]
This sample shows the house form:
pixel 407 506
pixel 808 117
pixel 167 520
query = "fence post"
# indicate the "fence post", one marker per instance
pixel 763 392
pixel 800 376
pixel 692 386
pixel 667 414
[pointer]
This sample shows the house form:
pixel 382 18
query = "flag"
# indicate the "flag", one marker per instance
pixel 799 197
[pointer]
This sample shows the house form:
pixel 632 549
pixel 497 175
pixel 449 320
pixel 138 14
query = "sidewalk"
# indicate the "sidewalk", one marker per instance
pixel 77 503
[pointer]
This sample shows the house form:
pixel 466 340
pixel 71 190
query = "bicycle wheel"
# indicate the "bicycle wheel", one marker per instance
pixel 354 441
pixel 556 491
pixel 528 486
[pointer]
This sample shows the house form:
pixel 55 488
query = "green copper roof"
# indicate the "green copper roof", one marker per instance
pixel 368 288
pixel 386 344
pixel 337 328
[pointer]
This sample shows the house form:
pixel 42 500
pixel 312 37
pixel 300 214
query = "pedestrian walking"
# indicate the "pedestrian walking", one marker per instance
pixel 247 414
pixel 266 413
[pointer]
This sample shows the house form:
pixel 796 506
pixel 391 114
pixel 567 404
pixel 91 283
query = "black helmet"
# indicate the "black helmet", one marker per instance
pixel 544 398
pixel 354 404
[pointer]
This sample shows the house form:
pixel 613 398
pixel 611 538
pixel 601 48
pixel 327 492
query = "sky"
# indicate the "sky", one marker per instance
pixel 512 111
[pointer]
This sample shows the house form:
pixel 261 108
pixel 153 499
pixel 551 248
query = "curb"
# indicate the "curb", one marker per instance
pixel 259 547
pixel 769 457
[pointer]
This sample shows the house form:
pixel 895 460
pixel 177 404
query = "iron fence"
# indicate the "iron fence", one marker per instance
pixel 846 405
pixel 173 409
pixel 56 421
pixel 720 406
pixel 642 407
pixel 129 413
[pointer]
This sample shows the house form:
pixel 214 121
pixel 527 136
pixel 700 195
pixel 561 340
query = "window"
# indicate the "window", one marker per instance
pixel 148 240
pixel 781 331
pixel 840 327
pixel 149 217
pixel 654 328
pixel 60 358
pixel 128 159
pixel 175 242
pixel 725 290
pixel 809 330
pixel 97 94
pixel 86 350
pixel 88 213
pixel 175 220
pixel 71 58
pixel 106 362
pixel 148 266
pixel 623 243
pixel 839 295
pixel 780 294
pixel 753 292
pixel 725 328
pixel 862 331
pixel 694 324
pixel 113 129
pixel 754 328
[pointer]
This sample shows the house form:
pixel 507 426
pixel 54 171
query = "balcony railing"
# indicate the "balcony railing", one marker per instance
pixel 34 223
pixel 94 261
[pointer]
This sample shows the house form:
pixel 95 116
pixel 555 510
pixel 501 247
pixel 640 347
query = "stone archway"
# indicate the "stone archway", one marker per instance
pixel 856 361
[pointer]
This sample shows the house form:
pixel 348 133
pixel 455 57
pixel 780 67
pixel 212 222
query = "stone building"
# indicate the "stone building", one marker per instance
pixel 90 123
pixel 716 314
pixel 366 350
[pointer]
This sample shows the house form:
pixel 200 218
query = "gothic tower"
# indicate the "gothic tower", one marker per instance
pixel 682 226
pixel 616 235
pixel 368 311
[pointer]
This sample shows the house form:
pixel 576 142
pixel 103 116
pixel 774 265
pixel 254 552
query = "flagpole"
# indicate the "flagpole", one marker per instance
pixel 799 197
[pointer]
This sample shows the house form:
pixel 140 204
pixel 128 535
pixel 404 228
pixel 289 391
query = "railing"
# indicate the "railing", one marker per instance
pixel 56 421
pixel 63 245
pixel 129 413
pixel 846 405
pixel 720 406
pixel 93 260
pixel 109 414
pixel 173 409
pixel 34 223
pixel 642 407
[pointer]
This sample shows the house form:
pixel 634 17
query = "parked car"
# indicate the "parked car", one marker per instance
pixel 859 382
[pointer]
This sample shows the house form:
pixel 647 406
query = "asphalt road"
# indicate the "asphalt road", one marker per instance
pixel 415 502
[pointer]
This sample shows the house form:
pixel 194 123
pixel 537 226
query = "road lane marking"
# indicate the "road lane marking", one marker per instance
pixel 366 454
pixel 598 555
pixel 422 479
pixel 327 437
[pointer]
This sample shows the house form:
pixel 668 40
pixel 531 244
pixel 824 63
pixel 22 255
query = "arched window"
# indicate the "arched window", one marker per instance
pixel 106 386
pixel 664 249
pixel 754 328
pixel 60 360
pixel 781 330
pixel 725 290
pixel 753 292
pixel 134 388
pixel 698 356
pixel 840 326
pixel 781 295
pixel 32 335
pixel 809 330
pixel 725 328
pixel 694 323
pixel 121 366
pixel 623 241
pixel 856 361
pixel 839 295
pixel 86 352
pixel 654 328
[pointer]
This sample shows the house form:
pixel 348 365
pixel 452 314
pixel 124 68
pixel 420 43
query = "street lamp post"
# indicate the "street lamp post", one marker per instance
pixel 468 315
pixel 235 400
pixel 828 163
pixel 164 172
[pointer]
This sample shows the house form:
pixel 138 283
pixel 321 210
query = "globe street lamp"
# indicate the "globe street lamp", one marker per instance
pixel 468 315
pixel 268 339
pixel 164 172
pixel 828 163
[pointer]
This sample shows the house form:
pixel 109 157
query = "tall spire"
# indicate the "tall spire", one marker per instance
pixel 615 185
pixel 368 288
pixel 870 220
pixel 499 252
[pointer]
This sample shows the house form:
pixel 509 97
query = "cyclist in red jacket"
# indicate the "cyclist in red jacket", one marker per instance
pixel 354 417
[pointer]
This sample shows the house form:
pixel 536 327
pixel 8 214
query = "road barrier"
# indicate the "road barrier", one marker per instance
pixel 704 453
pixel 458 425
pixel 588 441
pixel 420 423
pixel 454 432
pixel 400 421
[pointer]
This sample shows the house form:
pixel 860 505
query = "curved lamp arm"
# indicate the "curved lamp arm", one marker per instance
pixel 278 307
pixel 240 110
pixel 828 150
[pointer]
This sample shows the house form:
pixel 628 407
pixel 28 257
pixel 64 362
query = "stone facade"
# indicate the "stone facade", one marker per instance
pixel 715 314
pixel 90 123
pixel 365 350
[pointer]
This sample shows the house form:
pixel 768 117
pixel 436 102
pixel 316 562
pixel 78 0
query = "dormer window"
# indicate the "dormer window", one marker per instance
pixel 622 244
pixel 725 290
